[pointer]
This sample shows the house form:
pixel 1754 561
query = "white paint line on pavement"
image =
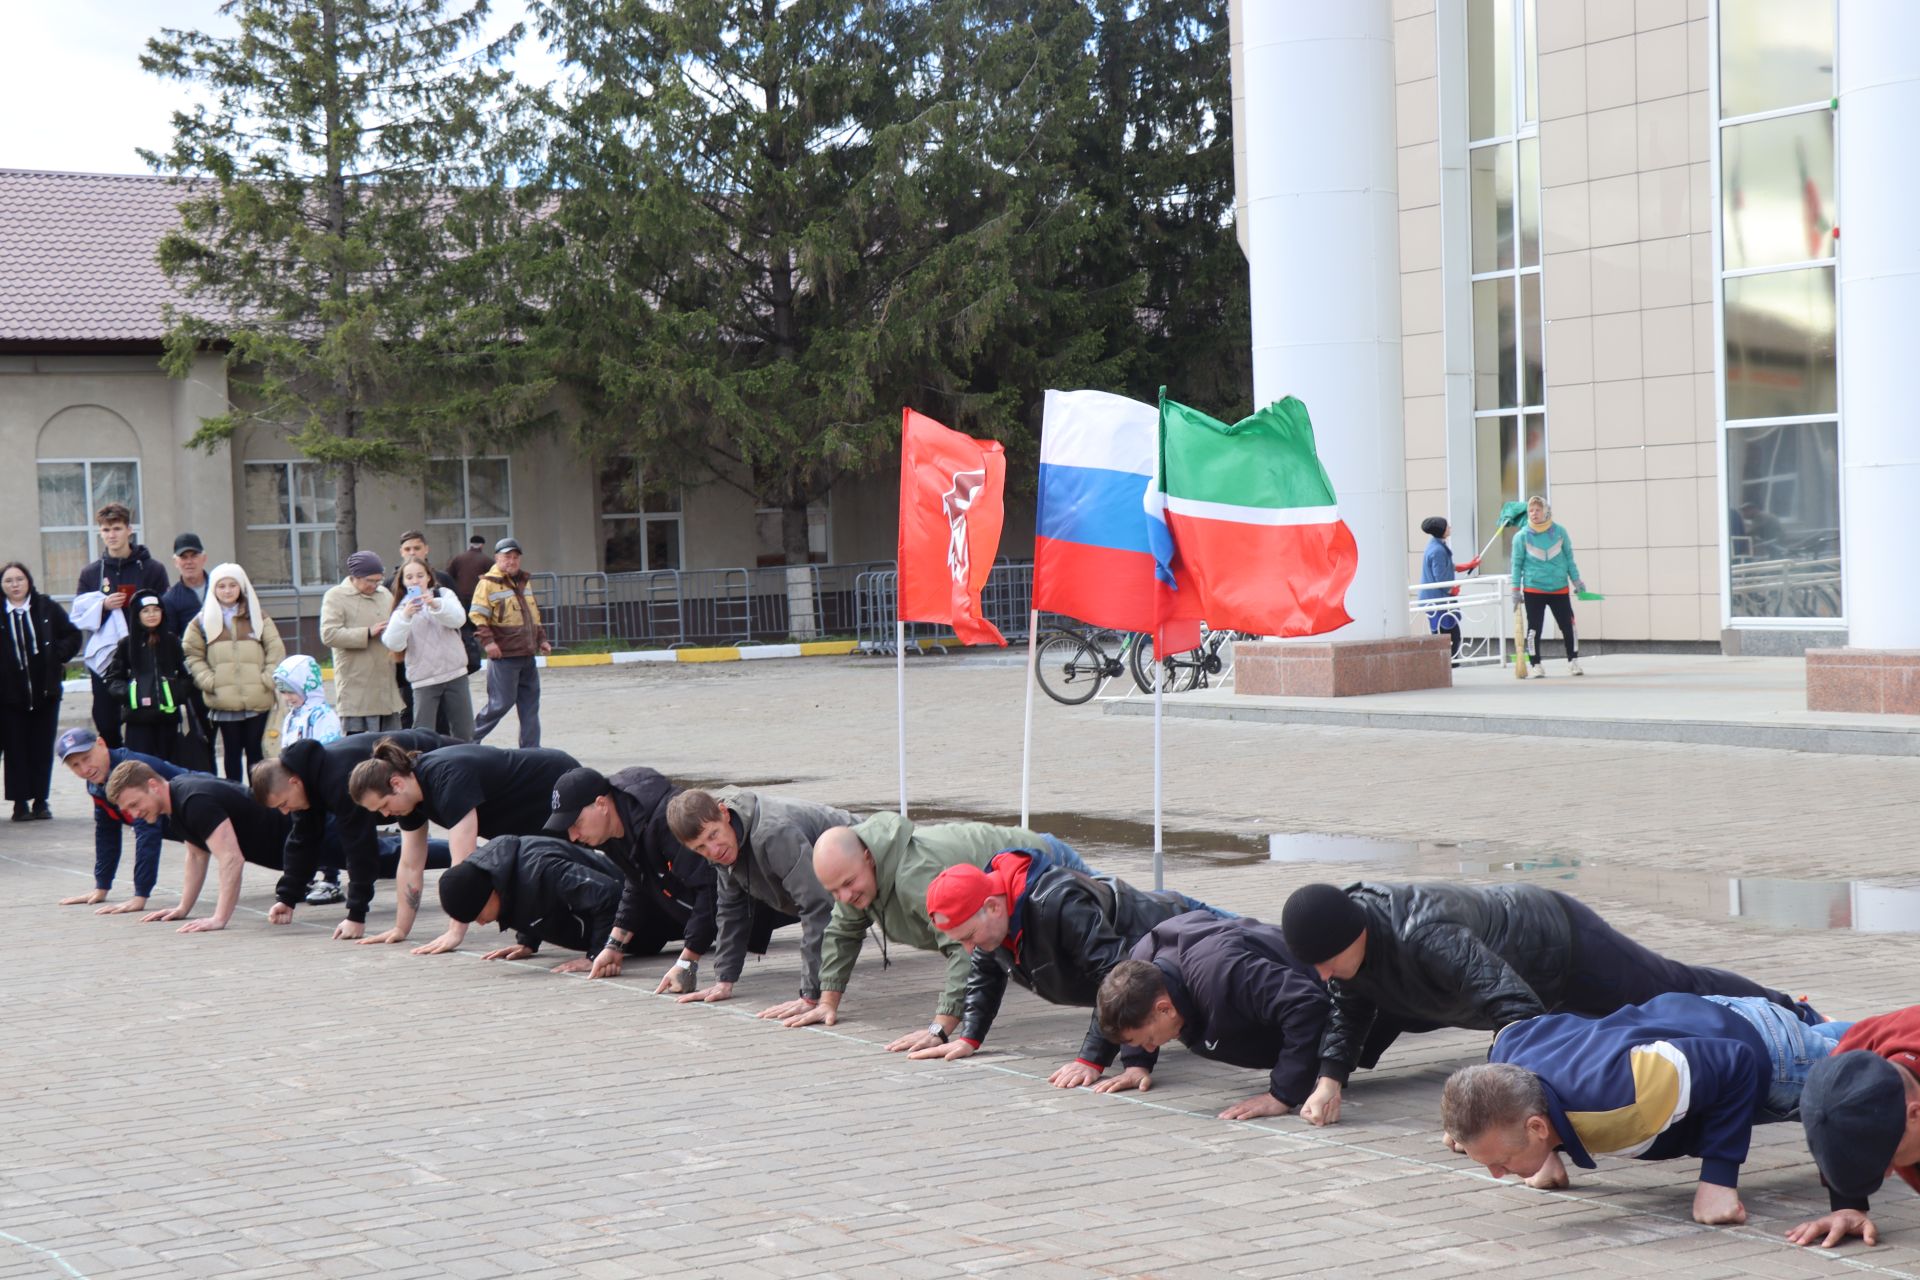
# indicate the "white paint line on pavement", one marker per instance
pixel 59 1261
pixel 1302 1133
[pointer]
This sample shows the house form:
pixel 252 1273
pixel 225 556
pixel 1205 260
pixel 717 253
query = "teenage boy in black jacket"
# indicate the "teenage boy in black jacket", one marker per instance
pixel 101 598
pixel 544 889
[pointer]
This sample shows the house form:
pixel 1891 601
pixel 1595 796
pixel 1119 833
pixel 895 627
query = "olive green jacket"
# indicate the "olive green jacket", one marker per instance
pixel 906 858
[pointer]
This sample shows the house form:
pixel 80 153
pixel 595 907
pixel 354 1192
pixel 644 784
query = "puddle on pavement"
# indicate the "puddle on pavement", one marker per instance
pixel 745 784
pixel 1863 906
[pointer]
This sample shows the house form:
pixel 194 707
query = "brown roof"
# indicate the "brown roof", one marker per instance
pixel 77 256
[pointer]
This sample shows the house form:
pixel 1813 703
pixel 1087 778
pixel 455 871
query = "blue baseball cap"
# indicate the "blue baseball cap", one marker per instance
pixel 74 741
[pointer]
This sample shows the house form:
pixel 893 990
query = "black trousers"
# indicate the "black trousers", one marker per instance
pixel 26 741
pixel 1611 971
pixel 1538 602
pixel 156 739
pixel 106 712
pixel 240 738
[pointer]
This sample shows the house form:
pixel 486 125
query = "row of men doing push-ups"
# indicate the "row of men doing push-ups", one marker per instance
pixel 1603 1046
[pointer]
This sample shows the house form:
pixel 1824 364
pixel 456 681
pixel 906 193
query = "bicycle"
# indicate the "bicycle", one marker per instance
pixel 1073 666
pixel 1189 670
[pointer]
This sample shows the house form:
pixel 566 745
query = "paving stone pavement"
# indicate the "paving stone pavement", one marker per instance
pixel 266 1102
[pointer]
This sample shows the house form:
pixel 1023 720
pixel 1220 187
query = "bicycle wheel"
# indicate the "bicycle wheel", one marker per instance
pixel 1069 669
pixel 1179 676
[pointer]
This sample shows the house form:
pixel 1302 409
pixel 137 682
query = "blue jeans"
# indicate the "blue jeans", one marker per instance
pixel 1064 855
pixel 1793 1047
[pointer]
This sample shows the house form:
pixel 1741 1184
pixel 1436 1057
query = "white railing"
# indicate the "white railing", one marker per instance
pixel 1485 611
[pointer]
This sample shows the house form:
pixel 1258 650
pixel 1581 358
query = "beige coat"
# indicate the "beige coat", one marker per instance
pixel 235 673
pixel 363 673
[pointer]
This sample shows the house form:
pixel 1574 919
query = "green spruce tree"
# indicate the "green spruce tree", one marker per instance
pixel 346 221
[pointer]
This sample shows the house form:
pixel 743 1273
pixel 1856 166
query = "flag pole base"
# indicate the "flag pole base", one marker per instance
pixel 1340 668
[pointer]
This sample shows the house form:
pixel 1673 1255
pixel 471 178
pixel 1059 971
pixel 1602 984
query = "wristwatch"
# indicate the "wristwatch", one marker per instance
pixel 935 1029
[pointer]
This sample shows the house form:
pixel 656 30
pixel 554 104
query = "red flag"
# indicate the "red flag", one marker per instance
pixel 951 509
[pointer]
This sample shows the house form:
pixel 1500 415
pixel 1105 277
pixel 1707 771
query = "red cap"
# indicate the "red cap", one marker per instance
pixel 958 892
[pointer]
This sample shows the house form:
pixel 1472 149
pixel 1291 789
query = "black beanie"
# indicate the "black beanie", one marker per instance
pixel 464 891
pixel 1434 526
pixel 1319 922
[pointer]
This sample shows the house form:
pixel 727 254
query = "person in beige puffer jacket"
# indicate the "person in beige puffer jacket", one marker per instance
pixel 231 649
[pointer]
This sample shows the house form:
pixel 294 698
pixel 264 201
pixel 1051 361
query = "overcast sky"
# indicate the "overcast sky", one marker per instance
pixel 75 99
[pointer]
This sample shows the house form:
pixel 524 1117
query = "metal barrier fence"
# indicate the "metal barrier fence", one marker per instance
pixel 1486 616
pixel 1006 601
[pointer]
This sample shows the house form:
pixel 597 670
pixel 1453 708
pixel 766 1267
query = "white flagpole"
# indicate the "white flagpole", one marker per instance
pixel 1026 742
pixel 1159 691
pixel 900 690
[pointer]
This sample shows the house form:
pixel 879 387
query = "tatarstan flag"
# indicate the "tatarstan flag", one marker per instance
pixel 1245 525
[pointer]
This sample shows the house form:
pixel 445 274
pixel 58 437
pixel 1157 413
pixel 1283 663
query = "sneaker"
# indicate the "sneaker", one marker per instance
pixel 20 813
pixel 40 810
pixel 324 893
pixel 1573 668
pixel 1537 672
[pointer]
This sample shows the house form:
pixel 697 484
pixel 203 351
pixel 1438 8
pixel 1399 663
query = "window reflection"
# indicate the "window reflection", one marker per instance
pixel 1775 53
pixel 1776 187
pixel 1489 68
pixel 1492 177
pixel 1780 344
pixel 1783 520
pixel 1493 344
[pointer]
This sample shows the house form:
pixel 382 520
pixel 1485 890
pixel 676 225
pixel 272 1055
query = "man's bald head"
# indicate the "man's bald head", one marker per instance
pixel 845 868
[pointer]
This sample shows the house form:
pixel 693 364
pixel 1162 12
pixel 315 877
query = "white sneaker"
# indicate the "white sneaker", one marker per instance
pixel 1573 668
pixel 1537 673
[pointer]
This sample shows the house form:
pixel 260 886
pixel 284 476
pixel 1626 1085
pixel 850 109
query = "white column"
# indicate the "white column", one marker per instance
pixel 1878 72
pixel 1323 206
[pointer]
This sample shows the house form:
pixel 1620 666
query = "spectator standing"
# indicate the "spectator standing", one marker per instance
pixel 147 677
pixel 1438 566
pixel 184 598
pixel 507 622
pixel 1544 577
pixel 413 546
pixel 353 613
pixel 467 568
pixel 100 603
pixel 34 651
pixel 425 627
pixel 303 692
pixel 232 648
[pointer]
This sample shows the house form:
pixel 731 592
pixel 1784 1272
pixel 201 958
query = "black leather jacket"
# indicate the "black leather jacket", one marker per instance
pixel 552 891
pixel 670 889
pixel 1074 928
pixel 1442 955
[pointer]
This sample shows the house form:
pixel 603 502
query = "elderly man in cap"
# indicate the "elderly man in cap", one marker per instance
pixel 669 889
pixel 1680 1075
pixel 761 851
pixel 92 761
pixel 1055 930
pixel 353 613
pixel 544 889
pixel 507 623
pixel 1418 957
pixel 1230 991
pixel 878 872
pixel 1861 1111
pixel 184 598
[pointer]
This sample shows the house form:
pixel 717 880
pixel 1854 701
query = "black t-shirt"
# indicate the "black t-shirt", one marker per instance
pixel 201 802
pixel 513 790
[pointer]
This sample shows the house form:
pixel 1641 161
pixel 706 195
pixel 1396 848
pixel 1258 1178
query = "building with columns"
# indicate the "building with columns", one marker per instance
pixel 1593 249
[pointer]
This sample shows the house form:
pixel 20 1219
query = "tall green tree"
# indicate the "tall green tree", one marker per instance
pixel 776 221
pixel 345 221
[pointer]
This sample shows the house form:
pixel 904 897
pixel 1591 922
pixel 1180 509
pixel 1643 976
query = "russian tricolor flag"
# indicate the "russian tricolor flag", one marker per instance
pixel 1092 559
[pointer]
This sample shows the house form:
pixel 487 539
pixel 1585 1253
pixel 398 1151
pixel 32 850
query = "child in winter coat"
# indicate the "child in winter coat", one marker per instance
pixel 147 677
pixel 303 692
pixel 232 648
pixel 426 627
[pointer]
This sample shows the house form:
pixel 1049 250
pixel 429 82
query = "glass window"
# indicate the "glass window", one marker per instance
pixel 1780 344
pixel 767 533
pixel 1776 190
pixel 1783 520
pixel 467 497
pixel 639 521
pixel 1489 68
pixel 1493 348
pixel 1493 177
pixel 70 491
pixel 1774 54
pixel 290 539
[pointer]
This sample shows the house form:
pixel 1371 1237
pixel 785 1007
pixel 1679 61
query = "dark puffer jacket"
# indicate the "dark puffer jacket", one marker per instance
pixel 552 891
pixel 1073 929
pixel 1442 955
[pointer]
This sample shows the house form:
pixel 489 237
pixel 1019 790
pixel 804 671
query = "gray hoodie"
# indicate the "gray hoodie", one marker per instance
pixel 775 866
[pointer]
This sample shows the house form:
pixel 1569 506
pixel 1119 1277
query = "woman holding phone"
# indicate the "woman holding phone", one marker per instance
pixel 426 628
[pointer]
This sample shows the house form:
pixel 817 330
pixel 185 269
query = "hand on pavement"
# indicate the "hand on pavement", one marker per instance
pixel 86 899
pixel 913 1040
pixel 1552 1175
pixel 382 939
pixel 819 1015
pixel 786 1009
pixel 121 908
pixel 675 981
pixel 1323 1107
pixel 952 1051
pixel 208 925
pixel 712 995
pixel 175 913
pixel 279 913
pixel 514 952
pixel 607 963
pixel 1718 1206
pixel 448 941
pixel 579 964
pixel 348 930
pixel 1835 1227
pixel 1260 1104
pixel 1130 1078
pixel 1074 1075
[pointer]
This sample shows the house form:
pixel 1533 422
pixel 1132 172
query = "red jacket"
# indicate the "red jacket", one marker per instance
pixel 1896 1037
